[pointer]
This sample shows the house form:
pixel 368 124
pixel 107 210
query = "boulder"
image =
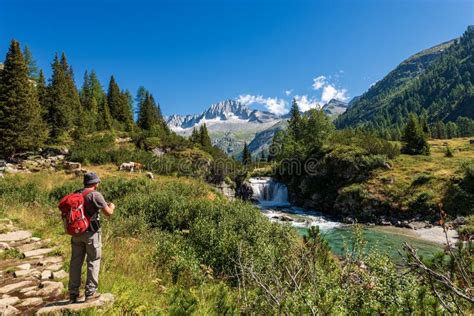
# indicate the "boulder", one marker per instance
pixel 458 221
pixel 73 165
pixel 15 236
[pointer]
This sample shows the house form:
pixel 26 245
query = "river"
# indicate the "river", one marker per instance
pixel 272 197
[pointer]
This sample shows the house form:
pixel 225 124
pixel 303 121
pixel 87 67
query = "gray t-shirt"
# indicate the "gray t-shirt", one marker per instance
pixel 94 202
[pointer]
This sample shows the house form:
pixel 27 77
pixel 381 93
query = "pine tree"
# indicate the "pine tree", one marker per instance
pixel 195 136
pixel 89 105
pixel 451 130
pixel 74 101
pixel 204 138
pixel 440 130
pixel 246 156
pixel 148 114
pixel 414 138
pixel 104 118
pixel 21 124
pixel 42 92
pixel 295 121
pixel 31 63
pixel 119 105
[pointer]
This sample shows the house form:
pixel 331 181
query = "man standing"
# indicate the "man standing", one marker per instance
pixel 88 244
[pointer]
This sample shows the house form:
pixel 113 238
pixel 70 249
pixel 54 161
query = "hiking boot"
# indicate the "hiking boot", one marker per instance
pixel 73 298
pixel 92 296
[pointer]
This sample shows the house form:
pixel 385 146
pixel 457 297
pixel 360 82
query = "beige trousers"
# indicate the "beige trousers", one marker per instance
pixel 87 246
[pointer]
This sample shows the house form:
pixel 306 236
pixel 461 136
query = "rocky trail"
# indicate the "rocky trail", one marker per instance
pixel 32 275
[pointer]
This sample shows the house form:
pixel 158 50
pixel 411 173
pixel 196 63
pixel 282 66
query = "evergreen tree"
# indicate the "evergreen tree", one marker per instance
pixel 465 126
pixel 204 138
pixel 424 123
pixel 21 124
pixel 148 117
pixel 89 104
pixel 414 138
pixel 42 92
pixel 440 130
pixel 119 105
pixel 246 156
pixel 31 63
pixel 60 114
pixel 451 130
pixel 104 118
pixel 74 101
pixel 295 121
pixel 195 137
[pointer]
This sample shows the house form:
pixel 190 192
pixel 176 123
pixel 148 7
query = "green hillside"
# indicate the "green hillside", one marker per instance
pixel 437 81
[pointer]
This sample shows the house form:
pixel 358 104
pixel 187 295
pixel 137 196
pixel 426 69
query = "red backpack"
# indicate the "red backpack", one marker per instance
pixel 73 213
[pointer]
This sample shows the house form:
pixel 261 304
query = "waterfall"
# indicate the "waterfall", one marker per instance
pixel 269 192
pixel 272 197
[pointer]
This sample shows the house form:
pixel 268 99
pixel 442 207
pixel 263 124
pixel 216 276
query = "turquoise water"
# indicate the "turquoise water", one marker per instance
pixel 387 240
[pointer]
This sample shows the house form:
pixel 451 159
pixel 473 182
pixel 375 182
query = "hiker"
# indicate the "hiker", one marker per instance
pixel 89 243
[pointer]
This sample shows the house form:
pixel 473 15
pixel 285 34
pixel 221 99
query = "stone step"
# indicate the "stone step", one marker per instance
pixel 58 275
pixel 30 246
pixel 37 252
pixel 24 273
pixel 63 307
pixel 8 310
pixel 30 302
pixel 50 260
pixel 12 300
pixel 15 236
pixel 25 266
pixel 15 286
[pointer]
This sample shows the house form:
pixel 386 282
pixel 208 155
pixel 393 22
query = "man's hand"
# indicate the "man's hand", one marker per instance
pixel 109 209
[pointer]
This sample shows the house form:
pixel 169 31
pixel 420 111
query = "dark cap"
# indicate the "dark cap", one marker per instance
pixel 91 178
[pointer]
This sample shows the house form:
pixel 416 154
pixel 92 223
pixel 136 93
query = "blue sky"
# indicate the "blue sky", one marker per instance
pixel 191 54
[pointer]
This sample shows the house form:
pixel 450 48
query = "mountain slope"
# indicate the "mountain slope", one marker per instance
pixel 438 80
pixel 230 124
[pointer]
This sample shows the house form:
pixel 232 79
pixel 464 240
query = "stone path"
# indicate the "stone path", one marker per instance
pixel 31 277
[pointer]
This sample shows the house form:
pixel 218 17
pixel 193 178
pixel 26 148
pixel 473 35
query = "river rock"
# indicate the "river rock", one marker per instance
pixel 459 221
pixel 15 286
pixel 11 300
pixel 37 252
pixel 15 236
pixel 418 225
pixel 283 218
pixel 62 307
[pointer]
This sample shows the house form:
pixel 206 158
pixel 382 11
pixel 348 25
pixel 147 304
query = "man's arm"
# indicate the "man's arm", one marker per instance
pixel 109 209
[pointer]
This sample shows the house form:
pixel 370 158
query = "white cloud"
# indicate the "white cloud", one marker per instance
pixel 306 103
pixel 273 105
pixel 330 92
pixel 319 82
pixel 288 92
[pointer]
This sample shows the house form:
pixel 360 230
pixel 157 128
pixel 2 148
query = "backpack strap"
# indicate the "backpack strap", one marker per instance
pixel 86 192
